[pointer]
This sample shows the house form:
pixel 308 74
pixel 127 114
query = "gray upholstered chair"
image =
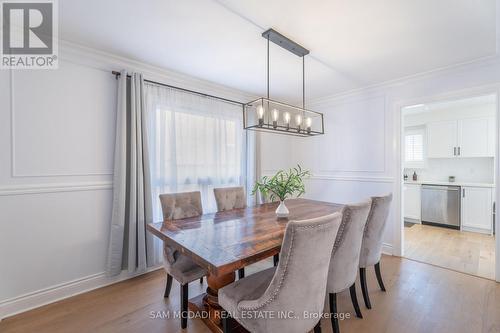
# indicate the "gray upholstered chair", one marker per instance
pixel 296 285
pixel 177 206
pixel 344 261
pixel 228 198
pixel 371 248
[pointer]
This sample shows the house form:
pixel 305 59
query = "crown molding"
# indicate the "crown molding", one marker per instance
pixel 105 61
pixel 379 88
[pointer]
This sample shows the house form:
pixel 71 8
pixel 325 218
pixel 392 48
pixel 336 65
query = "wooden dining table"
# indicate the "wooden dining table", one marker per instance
pixel 226 241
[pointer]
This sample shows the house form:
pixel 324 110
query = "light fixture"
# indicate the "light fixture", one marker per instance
pixel 263 114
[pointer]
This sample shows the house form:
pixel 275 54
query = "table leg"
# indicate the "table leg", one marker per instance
pixel 207 305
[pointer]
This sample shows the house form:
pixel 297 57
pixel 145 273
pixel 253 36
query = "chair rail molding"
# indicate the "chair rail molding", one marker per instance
pixel 54 188
pixel 365 179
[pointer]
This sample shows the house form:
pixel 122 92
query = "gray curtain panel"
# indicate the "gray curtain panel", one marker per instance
pixel 131 247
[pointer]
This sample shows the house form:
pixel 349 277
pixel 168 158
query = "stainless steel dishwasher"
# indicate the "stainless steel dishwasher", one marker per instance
pixel 441 205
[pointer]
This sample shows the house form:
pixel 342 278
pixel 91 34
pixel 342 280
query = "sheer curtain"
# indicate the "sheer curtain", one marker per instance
pixel 196 143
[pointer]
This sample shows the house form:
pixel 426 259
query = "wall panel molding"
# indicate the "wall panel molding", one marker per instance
pixel 54 188
pixel 14 171
pixel 344 178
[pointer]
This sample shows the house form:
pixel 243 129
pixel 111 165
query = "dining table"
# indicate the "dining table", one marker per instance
pixel 226 241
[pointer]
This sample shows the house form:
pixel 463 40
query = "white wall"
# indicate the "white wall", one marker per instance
pixel 56 146
pixel 359 155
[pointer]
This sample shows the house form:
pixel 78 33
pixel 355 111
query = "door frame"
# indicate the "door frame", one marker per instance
pixel 398 133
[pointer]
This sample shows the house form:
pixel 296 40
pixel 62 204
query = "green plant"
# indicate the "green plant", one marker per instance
pixel 283 184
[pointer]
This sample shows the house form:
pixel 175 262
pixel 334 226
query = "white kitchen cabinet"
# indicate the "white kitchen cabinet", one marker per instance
pixel 474 137
pixel 477 209
pixel 412 201
pixel 441 139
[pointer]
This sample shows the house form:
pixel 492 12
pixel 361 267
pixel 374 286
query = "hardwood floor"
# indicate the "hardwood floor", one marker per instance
pixel 419 298
pixel 467 252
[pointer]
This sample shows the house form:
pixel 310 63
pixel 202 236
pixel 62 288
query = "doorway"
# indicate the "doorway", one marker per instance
pixel 448 185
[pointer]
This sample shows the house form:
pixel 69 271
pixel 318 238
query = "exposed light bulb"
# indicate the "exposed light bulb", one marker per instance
pixel 260 111
pixel 276 114
pixel 260 114
pixel 308 121
pixel 286 117
pixel 298 120
pixel 308 124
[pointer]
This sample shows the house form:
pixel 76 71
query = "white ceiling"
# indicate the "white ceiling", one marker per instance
pixel 353 43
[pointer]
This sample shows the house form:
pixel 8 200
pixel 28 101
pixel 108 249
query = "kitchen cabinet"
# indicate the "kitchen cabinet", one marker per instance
pixel 441 139
pixel 474 137
pixel 477 209
pixel 412 201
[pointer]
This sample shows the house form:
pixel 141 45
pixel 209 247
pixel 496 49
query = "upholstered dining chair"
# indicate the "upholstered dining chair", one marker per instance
pixel 177 206
pixel 228 198
pixel 371 248
pixel 297 285
pixel 344 260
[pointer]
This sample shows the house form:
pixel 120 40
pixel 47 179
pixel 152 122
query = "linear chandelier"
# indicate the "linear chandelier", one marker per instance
pixel 265 114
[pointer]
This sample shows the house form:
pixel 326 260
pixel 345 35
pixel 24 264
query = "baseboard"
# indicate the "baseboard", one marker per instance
pixel 387 249
pixel 56 293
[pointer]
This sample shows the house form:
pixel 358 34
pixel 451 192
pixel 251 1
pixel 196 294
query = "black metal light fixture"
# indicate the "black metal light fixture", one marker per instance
pixel 265 114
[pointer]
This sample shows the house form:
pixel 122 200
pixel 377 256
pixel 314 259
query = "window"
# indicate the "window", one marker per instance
pixel 196 144
pixel 414 147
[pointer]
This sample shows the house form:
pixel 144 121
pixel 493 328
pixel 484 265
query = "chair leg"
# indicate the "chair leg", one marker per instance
pixel 379 276
pixel 226 327
pixel 241 273
pixel 333 313
pixel 354 300
pixel 184 304
pixel 276 258
pixel 317 328
pixel 168 286
pixel 201 279
pixel 364 287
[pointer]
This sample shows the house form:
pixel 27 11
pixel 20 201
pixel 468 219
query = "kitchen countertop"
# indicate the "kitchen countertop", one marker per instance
pixel 457 183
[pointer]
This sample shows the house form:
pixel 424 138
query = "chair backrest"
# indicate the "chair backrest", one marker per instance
pixel 344 261
pixel 177 206
pixel 228 198
pixel 371 248
pixel 299 282
pixel 181 205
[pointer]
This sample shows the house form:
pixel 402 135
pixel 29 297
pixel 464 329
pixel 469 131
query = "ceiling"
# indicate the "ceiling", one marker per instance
pixel 353 43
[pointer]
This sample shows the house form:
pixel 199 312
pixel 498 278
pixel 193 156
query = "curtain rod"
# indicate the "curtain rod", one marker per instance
pixel 117 74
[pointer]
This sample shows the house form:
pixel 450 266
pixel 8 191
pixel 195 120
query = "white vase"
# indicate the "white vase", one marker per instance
pixel 282 211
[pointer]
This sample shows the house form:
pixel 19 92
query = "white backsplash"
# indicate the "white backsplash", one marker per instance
pixel 474 170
